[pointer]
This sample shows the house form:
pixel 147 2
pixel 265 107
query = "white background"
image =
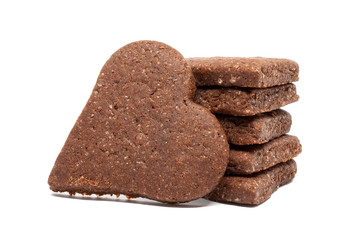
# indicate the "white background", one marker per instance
pixel 51 54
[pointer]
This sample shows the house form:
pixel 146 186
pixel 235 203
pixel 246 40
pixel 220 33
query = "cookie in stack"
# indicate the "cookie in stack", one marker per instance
pixel 246 95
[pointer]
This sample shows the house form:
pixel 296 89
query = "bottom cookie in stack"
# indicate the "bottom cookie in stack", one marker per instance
pixel 255 188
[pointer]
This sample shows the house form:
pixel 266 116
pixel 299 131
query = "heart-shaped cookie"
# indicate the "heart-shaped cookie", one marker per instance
pixel 141 134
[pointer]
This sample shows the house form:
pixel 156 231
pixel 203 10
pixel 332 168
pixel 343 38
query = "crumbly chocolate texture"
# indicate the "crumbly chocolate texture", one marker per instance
pixel 255 188
pixel 245 160
pixel 246 101
pixel 140 134
pixel 256 129
pixel 255 72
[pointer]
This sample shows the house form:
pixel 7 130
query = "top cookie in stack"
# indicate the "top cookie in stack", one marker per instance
pixel 254 72
pixel 246 95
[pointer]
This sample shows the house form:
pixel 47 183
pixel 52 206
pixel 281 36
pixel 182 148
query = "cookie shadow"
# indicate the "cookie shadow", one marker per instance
pixel 201 202
pixel 241 204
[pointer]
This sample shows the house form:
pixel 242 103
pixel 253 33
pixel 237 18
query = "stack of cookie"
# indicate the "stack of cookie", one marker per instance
pixel 246 95
pixel 142 134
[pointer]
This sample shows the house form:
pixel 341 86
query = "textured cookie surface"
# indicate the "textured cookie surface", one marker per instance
pixel 246 101
pixel 255 188
pixel 256 129
pixel 243 72
pixel 248 159
pixel 140 133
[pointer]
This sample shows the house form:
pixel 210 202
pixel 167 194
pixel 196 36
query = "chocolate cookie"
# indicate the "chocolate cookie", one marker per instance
pixel 248 159
pixel 256 129
pixel 255 188
pixel 246 101
pixel 243 72
pixel 141 134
